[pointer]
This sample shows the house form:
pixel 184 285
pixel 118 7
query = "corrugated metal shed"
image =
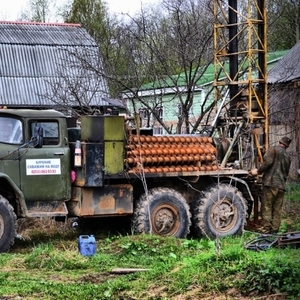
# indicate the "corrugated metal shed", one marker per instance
pixel 40 65
pixel 44 34
pixel 288 68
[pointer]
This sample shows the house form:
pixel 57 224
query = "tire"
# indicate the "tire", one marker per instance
pixel 232 212
pixel 164 212
pixel 8 225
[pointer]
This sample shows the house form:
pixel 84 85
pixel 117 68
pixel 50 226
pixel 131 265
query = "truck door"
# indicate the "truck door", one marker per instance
pixel 45 171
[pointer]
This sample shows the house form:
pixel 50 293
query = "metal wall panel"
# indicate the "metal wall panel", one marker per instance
pixel 36 57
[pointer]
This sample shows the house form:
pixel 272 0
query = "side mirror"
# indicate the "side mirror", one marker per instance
pixel 38 136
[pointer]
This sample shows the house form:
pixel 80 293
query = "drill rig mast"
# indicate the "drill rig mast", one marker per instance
pixel 240 59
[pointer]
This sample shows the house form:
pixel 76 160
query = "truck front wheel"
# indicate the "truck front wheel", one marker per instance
pixel 7 225
pixel 162 212
pixel 221 211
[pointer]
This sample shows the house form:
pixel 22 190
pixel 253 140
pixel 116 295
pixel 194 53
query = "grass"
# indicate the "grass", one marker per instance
pixel 176 269
pixel 46 264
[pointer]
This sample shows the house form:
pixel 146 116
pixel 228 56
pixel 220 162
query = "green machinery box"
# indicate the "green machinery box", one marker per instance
pixel 109 131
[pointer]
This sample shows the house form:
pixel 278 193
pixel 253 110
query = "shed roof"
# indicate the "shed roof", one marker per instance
pixel 40 65
pixel 32 33
pixel 287 68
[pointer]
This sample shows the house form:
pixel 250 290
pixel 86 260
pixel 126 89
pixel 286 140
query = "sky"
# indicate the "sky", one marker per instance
pixel 10 10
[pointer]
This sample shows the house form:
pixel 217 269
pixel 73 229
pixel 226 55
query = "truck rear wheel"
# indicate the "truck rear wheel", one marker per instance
pixel 8 225
pixel 221 211
pixel 163 212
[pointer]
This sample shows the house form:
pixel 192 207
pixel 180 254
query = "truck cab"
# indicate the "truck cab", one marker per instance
pixel 35 161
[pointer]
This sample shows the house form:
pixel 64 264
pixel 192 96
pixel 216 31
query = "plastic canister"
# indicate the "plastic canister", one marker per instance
pixel 87 245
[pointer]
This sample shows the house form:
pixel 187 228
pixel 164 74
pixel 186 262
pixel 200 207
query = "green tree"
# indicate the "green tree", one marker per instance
pixel 40 11
pixel 152 47
pixel 283 24
pixel 158 43
pixel 91 14
pixel 94 17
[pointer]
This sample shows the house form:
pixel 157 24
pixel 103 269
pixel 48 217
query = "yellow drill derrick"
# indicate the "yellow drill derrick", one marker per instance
pixel 240 59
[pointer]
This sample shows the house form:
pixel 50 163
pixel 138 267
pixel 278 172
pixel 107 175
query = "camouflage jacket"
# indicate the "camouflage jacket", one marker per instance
pixel 275 167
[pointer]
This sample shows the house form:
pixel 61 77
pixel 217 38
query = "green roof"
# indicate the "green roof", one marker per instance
pixel 207 77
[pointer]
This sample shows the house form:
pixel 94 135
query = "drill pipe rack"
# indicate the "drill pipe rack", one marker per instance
pixel 170 154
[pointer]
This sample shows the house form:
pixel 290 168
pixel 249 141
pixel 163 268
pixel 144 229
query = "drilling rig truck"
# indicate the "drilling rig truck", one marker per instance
pixel 169 185
pixel 119 172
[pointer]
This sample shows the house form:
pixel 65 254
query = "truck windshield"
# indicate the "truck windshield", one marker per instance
pixel 11 131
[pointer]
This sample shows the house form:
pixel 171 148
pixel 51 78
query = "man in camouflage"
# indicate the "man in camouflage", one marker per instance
pixel 275 169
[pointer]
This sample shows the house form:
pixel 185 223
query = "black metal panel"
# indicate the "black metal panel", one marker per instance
pixel 94 164
pixel 92 128
pixel 233 49
pixel 261 55
pixel 91 171
pixel 74 134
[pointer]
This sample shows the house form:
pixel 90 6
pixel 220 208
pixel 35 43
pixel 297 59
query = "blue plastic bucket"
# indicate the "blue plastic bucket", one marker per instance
pixel 87 245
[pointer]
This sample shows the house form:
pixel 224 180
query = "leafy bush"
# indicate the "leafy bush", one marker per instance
pixel 277 274
pixel 292 192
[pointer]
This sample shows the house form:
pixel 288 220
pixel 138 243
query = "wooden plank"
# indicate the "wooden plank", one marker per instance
pixel 127 270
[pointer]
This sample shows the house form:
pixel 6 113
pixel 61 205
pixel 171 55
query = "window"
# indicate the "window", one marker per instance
pixel 50 132
pixel 11 131
pixel 157 130
pixel 143 113
pixel 159 112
